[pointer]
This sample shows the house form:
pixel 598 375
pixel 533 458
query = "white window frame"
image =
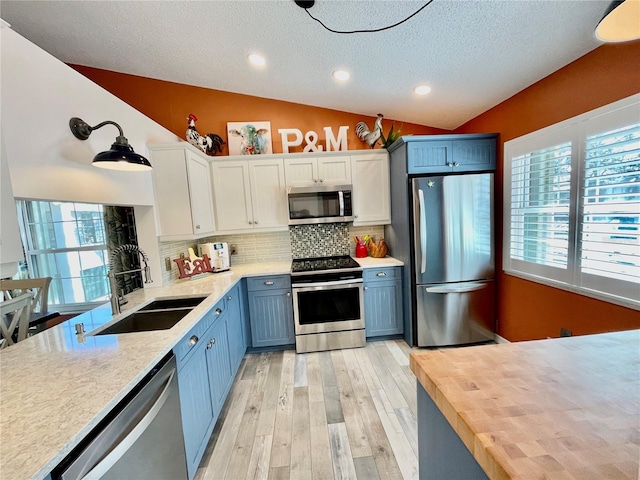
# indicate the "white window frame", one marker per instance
pixel 576 130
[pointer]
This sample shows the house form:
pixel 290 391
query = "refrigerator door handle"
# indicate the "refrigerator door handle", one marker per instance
pixel 467 287
pixel 423 232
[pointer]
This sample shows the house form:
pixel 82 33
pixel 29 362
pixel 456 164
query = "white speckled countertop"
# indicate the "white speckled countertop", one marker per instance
pixel 54 389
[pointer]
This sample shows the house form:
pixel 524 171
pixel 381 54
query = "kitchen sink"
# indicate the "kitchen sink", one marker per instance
pixel 146 321
pixel 171 303
pixel 158 315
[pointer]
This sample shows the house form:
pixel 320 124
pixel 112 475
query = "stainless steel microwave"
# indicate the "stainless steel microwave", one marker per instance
pixel 320 204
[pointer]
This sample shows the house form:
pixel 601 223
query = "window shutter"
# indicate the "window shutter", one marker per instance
pixel 539 211
pixel 610 220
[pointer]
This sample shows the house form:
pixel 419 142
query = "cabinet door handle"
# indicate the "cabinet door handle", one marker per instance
pixel 381 274
pixel 450 164
pixel 366 288
pixel 268 282
pixel 218 311
pixel 355 216
pixel 288 294
pixel 198 227
pixel 193 340
pixel 229 298
pixel 255 222
pixel 250 222
pixel 321 180
pixel 211 343
pixel 456 164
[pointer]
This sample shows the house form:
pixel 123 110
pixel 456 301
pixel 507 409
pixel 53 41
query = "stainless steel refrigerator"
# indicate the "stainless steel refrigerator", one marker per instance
pixel 442 230
pixel 453 259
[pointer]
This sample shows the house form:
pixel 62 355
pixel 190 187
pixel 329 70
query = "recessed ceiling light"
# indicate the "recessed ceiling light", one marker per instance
pixel 422 89
pixel 341 75
pixel 257 60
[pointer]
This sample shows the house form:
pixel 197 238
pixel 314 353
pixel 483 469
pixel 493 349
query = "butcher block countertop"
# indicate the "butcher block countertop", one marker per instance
pixel 56 386
pixel 566 408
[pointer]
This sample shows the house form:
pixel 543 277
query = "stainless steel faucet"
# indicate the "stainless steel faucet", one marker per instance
pixel 118 300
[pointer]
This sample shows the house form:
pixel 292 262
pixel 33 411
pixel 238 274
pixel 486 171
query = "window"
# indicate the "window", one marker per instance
pixel 572 204
pixel 69 242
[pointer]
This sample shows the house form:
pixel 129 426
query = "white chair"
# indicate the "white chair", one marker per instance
pixel 39 287
pixel 14 313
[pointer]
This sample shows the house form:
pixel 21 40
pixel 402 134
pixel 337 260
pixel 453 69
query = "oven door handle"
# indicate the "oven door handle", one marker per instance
pixel 327 284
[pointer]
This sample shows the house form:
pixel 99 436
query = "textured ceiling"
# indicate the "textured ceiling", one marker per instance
pixel 474 54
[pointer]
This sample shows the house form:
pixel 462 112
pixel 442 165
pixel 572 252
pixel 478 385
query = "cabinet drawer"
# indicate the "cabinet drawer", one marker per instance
pixel 380 274
pixel 185 346
pixel 269 283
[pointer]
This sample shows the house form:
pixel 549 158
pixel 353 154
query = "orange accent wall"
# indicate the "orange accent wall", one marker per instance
pixel 528 310
pixel 170 103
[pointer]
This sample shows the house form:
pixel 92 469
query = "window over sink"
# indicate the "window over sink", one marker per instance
pixel 70 242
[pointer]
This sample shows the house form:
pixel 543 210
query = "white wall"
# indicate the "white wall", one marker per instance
pixel 39 95
pixel 10 244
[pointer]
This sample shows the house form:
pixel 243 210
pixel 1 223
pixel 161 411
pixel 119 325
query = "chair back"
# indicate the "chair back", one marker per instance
pixel 14 313
pixel 39 287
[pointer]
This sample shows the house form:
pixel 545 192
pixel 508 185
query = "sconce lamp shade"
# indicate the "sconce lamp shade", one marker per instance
pixel 120 157
pixel 621 22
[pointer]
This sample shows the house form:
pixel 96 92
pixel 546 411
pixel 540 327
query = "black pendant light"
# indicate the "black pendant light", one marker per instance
pixel 621 22
pixel 120 157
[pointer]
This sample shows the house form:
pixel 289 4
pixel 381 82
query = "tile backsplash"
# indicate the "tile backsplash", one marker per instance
pixel 300 241
pixel 319 240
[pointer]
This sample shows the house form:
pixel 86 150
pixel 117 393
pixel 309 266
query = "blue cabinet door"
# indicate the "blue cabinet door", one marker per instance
pixel 235 328
pixel 196 407
pixel 218 365
pixel 383 302
pixel 451 153
pixel 271 316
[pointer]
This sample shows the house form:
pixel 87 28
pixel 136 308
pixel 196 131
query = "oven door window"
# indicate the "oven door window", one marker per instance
pixel 314 205
pixel 324 306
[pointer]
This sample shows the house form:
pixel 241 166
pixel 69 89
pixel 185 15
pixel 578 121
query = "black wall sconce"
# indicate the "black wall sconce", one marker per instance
pixel 120 157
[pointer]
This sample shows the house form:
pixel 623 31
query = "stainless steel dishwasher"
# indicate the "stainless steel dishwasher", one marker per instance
pixel 141 438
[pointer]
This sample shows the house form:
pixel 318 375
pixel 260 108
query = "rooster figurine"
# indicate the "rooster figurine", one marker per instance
pixel 370 136
pixel 209 143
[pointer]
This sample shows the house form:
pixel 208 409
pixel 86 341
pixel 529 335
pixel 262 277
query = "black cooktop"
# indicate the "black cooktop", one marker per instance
pixel 318 264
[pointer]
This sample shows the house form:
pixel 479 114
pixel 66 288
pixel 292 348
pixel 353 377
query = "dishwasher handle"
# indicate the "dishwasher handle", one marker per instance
pixel 116 454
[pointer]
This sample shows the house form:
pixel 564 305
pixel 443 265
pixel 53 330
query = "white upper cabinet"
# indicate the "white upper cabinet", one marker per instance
pixel 249 195
pixel 371 191
pixel 183 194
pixel 310 171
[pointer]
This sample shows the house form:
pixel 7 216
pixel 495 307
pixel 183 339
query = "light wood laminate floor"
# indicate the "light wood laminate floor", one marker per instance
pixel 343 414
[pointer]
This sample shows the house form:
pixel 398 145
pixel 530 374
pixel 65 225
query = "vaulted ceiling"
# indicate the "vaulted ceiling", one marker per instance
pixel 472 53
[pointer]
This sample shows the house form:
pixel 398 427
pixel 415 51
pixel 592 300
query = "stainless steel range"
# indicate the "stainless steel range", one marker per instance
pixel 328 305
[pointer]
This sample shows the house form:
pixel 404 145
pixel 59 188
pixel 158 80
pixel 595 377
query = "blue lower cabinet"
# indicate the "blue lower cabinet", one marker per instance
pixel 383 301
pixel 271 311
pixel 196 406
pixel 236 327
pixel 218 363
